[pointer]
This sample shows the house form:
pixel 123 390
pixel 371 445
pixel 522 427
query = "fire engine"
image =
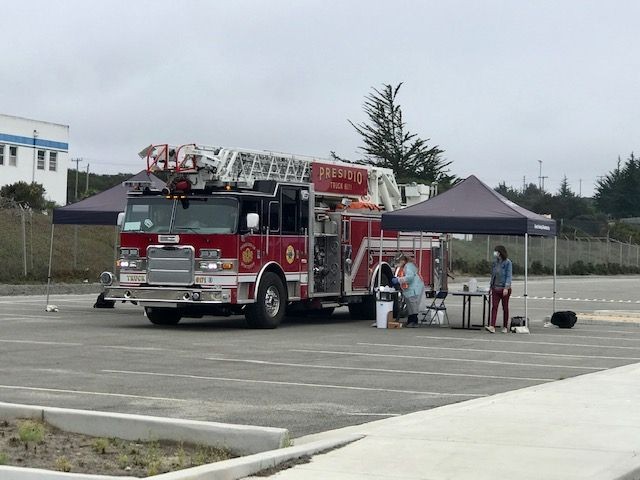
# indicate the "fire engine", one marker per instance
pixel 262 234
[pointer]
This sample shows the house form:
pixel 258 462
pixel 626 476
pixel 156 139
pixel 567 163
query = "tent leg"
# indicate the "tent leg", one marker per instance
pixel 49 270
pixel 380 262
pixel 555 262
pixel 555 274
pixel 526 273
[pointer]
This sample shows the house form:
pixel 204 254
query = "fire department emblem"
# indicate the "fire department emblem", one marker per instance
pixel 290 254
pixel 247 254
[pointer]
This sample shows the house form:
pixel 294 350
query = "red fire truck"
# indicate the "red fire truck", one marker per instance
pixel 262 233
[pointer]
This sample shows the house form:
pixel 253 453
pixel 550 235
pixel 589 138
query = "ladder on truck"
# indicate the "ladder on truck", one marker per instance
pixel 219 166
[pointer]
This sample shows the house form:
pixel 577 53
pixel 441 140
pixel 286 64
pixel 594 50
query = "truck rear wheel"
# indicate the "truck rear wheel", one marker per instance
pixel 271 302
pixel 163 316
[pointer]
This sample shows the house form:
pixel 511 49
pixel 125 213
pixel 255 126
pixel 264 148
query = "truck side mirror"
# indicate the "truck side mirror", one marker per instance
pixel 120 220
pixel 253 221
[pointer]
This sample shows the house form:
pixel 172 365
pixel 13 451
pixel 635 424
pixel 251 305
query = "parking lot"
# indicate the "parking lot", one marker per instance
pixel 310 374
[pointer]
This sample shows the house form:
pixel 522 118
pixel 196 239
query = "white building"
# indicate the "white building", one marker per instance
pixel 35 151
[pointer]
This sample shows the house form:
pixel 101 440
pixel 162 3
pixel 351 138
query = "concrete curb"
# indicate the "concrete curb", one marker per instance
pixel 242 439
pixel 21 473
pixel 262 445
pixel 242 467
pixel 233 469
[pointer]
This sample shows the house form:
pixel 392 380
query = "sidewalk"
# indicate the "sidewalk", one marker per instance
pixel 585 427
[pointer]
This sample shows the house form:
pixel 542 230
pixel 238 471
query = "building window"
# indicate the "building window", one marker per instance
pixel 1 154
pixel 41 159
pixel 13 156
pixel 53 161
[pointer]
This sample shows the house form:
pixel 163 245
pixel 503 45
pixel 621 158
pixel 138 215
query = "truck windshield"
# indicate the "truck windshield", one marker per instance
pixel 148 215
pixel 195 215
pixel 206 215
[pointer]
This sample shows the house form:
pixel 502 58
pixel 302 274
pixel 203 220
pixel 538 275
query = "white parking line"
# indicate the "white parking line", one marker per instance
pixel 145 349
pixel 589 336
pixel 496 340
pixel 510 352
pixel 447 359
pixel 34 342
pixel 295 384
pixel 85 392
pixel 363 414
pixel 7 317
pixel 382 370
pixel 632 331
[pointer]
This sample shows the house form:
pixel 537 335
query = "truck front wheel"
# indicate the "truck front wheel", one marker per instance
pixel 271 301
pixel 163 316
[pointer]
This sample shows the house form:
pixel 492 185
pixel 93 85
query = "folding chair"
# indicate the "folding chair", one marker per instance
pixel 431 314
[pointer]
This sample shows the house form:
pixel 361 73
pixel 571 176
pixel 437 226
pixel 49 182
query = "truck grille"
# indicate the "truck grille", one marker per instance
pixel 170 265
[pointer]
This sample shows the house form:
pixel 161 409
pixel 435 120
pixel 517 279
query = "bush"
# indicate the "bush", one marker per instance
pixel 537 268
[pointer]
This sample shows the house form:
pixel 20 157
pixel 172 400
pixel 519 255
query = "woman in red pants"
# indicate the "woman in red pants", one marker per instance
pixel 501 275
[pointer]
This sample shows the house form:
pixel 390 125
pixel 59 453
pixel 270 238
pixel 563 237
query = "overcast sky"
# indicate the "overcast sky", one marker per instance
pixel 498 85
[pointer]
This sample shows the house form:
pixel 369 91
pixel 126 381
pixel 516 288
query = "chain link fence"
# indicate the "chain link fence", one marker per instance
pixel 79 252
pixel 82 252
pixel 581 256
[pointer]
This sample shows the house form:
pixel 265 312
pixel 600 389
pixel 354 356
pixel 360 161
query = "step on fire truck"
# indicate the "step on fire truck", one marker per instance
pixel 264 234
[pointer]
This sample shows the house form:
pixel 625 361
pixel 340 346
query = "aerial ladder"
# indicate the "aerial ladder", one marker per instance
pixel 206 166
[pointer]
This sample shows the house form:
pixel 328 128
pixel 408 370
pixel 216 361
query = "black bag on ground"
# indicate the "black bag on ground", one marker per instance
pixel 565 319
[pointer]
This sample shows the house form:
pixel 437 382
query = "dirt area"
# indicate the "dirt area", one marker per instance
pixel 29 443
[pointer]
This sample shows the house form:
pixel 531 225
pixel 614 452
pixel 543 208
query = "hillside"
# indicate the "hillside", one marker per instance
pixel 97 183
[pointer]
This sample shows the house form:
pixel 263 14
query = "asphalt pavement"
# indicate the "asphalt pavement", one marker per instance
pixel 311 374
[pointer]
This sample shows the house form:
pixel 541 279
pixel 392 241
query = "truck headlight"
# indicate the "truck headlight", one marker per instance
pixel 130 264
pixel 210 266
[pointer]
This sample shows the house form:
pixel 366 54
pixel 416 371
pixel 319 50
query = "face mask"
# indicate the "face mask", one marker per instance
pixel 496 254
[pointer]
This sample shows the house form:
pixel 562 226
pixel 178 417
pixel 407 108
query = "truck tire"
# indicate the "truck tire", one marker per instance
pixel 163 316
pixel 271 302
pixel 356 311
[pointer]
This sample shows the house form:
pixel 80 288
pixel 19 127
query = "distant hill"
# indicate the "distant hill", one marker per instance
pixel 97 183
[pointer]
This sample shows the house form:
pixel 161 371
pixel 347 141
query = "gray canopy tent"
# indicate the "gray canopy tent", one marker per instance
pixel 99 209
pixel 473 207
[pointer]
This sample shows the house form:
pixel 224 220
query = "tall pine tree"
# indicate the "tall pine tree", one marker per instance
pixel 618 194
pixel 388 143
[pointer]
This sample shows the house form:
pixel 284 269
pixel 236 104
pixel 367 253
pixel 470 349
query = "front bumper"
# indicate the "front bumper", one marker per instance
pixel 175 295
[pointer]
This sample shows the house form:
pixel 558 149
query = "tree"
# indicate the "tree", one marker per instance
pixel 563 206
pixel 618 193
pixel 388 143
pixel 31 194
pixel 567 205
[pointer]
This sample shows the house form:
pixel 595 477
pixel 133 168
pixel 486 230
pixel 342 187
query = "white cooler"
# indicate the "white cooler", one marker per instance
pixel 384 306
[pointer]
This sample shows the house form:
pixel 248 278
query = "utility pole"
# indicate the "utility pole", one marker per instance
pixel 524 183
pixel 580 187
pixel 33 167
pixel 540 176
pixel 86 188
pixel 77 160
